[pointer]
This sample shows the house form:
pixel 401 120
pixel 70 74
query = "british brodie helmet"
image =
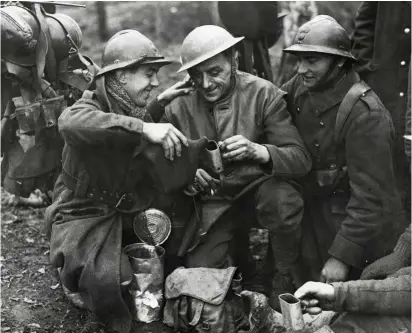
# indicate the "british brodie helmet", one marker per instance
pixel 127 48
pixel 322 35
pixel 204 43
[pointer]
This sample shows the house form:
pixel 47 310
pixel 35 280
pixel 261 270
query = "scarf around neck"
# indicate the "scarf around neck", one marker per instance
pixel 115 89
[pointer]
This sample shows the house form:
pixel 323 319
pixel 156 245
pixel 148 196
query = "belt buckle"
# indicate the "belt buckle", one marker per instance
pixel 125 202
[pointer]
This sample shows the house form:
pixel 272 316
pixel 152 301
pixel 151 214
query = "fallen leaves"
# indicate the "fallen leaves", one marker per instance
pixel 29 240
pixel 28 301
pixel 54 287
pixel 10 218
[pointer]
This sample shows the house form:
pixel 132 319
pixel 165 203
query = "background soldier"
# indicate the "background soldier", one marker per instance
pixel 42 72
pixel 382 46
pixel 350 195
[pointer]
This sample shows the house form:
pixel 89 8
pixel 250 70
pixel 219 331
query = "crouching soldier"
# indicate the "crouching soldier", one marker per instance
pixel 350 194
pixel 103 184
pixel 261 149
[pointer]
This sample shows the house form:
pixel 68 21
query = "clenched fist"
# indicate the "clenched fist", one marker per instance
pixel 334 270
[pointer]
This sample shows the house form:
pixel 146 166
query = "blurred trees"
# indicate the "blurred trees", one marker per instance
pixel 102 19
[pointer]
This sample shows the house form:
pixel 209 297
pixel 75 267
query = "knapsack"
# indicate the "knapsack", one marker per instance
pixel 204 300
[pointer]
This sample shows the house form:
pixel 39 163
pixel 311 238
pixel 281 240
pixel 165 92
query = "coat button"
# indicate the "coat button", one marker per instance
pixel 407 30
pixel 401 94
pixel 317 112
pixel 316 145
pixel 403 63
pixel 297 110
pixel 322 124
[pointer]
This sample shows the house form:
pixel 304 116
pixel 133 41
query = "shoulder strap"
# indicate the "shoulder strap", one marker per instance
pixel 358 90
pixel 45 56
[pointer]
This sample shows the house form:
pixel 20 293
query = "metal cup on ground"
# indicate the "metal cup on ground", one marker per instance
pixel 147 262
pixel 291 312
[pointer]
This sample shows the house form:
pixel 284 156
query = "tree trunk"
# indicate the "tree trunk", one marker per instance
pixel 102 19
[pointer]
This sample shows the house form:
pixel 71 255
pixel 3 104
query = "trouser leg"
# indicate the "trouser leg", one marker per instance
pixel 279 209
pixel 213 250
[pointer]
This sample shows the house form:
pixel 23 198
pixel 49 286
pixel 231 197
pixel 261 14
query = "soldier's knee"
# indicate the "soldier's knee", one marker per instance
pixel 279 203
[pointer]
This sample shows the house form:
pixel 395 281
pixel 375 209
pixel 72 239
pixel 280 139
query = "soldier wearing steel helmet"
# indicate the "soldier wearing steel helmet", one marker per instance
pixel 39 77
pixel 262 153
pixel 350 195
pixel 103 183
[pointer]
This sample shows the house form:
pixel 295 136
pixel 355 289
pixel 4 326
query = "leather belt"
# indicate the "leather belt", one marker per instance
pixel 114 199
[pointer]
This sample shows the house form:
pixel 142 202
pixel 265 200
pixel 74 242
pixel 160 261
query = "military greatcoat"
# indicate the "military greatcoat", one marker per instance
pixel 350 194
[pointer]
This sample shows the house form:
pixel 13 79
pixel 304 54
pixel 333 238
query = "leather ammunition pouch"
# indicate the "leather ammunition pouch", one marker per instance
pixel 39 115
pixel 33 159
pixel 328 181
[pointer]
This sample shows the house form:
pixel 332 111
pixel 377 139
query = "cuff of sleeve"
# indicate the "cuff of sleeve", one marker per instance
pixel 340 294
pixel 133 125
pixel 346 251
pixel 268 166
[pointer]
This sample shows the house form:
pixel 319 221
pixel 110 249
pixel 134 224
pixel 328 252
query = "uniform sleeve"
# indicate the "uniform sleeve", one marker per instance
pixel 289 157
pixel 363 35
pixel 156 110
pixel 391 296
pixel 84 123
pixel 373 199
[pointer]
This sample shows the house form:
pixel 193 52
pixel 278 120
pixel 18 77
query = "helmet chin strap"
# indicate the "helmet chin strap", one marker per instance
pixel 326 80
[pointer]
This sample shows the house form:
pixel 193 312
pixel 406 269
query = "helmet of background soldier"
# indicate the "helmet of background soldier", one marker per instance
pixel 204 43
pixel 128 48
pixel 322 35
pixel 20 31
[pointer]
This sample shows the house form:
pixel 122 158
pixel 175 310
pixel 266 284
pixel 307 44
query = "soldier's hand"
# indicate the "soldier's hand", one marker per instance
pixel 238 148
pixel 180 88
pixel 168 136
pixel 315 297
pixel 334 270
pixel 205 182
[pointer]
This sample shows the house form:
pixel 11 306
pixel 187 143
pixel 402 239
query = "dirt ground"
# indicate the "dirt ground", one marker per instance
pixel 32 299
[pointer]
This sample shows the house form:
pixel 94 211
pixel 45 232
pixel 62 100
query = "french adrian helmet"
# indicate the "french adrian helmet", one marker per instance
pixel 322 35
pixel 20 30
pixel 127 48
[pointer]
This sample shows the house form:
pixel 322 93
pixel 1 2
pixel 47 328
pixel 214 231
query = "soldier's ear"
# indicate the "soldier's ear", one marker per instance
pixel 341 62
pixel 121 76
pixel 237 59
